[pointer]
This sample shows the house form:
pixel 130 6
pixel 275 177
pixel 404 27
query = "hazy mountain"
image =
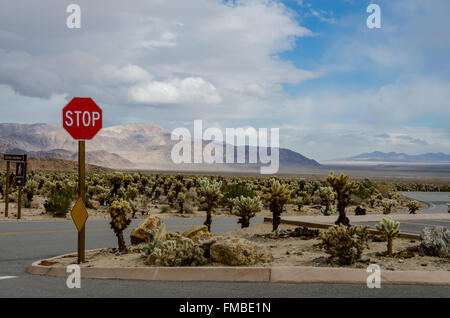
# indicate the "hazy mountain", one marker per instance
pixel 138 146
pixel 378 156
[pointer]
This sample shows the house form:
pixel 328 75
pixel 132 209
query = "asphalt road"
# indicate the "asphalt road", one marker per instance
pixel 437 200
pixel 22 242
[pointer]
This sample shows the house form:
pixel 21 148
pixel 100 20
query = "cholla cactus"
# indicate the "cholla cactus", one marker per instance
pixel 344 244
pixel 119 220
pixel 30 190
pixel 209 193
pixel 343 189
pixel 327 197
pixel 176 250
pixel 181 199
pixel 246 208
pixel 328 210
pixel 388 205
pixel 299 202
pixel 413 206
pixel 372 200
pixel 390 230
pixel 278 195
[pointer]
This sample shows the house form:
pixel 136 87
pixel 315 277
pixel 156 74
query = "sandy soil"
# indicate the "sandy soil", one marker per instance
pixel 287 252
pixel 37 211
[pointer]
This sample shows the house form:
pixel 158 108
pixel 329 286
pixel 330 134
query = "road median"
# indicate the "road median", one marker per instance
pixel 274 274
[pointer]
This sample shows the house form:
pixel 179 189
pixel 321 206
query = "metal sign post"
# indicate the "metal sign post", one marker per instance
pixel 8 172
pixel 82 119
pixel 82 195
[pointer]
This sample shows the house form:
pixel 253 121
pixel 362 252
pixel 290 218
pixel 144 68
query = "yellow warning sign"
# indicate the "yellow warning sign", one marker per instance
pixel 79 214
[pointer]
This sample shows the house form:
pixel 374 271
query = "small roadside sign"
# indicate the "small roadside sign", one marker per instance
pixel 15 158
pixel 79 214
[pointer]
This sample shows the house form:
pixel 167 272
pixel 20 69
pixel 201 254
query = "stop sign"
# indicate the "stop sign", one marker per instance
pixel 82 118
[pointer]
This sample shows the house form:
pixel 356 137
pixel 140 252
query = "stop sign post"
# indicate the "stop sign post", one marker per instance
pixel 82 119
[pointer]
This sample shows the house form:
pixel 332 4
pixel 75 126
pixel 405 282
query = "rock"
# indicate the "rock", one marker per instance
pixel 360 211
pixel 152 225
pixel 406 254
pixel 197 233
pixel 435 241
pixel 238 252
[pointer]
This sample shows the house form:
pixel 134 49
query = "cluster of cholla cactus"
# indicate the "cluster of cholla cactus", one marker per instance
pixel 176 250
pixel 343 189
pixel 344 244
pixel 209 193
pixel 276 197
pixel 389 229
pixel 413 206
pixel 119 221
pixel 246 208
pixel 387 205
pixel 327 198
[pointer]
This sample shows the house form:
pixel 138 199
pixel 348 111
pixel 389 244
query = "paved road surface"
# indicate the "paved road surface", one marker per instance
pixel 438 204
pixel 23 242
pixel 437 200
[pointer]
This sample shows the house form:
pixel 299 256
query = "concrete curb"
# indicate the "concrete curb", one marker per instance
pixel 282 274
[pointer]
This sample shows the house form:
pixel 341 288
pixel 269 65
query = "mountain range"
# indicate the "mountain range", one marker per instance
pixel 131 146
pixel 378 156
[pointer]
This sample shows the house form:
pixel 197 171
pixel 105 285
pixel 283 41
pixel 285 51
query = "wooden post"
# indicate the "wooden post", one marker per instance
pixel 19 204
pixel 7 188
pixel 82 194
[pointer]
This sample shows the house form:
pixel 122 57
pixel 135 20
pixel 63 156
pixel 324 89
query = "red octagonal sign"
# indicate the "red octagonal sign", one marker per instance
pixel 82 118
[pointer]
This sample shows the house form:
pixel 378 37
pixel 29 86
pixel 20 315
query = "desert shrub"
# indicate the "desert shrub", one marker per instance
pixel 388 205
pixel 343 189
pixel 327 198
pixel 165 209
pixel 30 190
pixel 299 202
pixel 233 191
pixel 119 221
pixel 413 206
pixel 344 244
pixel 389 229
pixel 209 193
pixel 246 208
pixel 278 195
pixel 60 200
pixel 180 201
pixel 176 250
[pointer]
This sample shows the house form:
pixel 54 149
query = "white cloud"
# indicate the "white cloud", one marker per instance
pixel 175 91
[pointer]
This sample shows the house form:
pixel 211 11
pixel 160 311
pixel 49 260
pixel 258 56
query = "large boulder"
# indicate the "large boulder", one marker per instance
pixel 238 252
pixel 435 241
pixel 197 233
pixel 152 228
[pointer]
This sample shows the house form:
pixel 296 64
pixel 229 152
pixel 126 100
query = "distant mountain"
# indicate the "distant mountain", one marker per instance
pixel 378 156
pixel 130 146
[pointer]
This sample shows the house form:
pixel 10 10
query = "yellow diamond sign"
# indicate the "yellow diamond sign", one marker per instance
pixel 79 214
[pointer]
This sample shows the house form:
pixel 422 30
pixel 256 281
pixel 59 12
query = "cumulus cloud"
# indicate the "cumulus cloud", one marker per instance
pixel 152 51
pixel 174 91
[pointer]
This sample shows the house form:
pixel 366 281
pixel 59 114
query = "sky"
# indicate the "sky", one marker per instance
pixel 311 68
